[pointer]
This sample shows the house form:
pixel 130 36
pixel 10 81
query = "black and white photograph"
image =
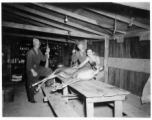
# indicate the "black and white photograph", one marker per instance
pixel 77 59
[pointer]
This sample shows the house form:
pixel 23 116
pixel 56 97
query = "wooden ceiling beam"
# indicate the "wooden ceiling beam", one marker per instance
pixel 120 18
pixel 41 21
pixel 49 30
pixel 34 28
pixel 48 16
pixel 25 20
pixel 68 13
pixel 45 22
pixel 74 15
pixel 39 37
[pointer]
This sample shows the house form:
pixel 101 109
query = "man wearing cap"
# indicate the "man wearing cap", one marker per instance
pixel 81 54
pixel 34 70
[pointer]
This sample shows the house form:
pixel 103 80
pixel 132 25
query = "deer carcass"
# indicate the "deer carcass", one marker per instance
pixel 80 75
pixel 73 74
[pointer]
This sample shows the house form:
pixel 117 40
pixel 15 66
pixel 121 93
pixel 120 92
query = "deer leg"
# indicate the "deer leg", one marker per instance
pixel 45 81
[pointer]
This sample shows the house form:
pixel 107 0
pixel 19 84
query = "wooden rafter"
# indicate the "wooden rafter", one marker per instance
pixel 39 37
pixel 74 15
pixel 45 22
pixel 120 18
pixel 49 30
pixel 25 20
pixel 33 28
pixel 48 16
pixel 64 12
pixel 68 13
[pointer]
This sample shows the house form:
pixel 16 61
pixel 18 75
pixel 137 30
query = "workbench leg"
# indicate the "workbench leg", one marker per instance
pixel 65 92
pixel 118 108
pixel 84 106
pixel 89 109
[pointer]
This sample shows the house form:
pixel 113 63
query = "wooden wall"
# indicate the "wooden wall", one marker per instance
pixel 133 49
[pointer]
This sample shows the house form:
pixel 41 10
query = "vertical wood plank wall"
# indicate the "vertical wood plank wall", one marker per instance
pixel 130 48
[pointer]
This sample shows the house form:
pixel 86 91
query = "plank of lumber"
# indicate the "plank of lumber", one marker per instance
pixel 74 15
pixel 48 16
pixel 139 65
pixel 59 105
pixel 120 18
pixel 68 13
pixel 133 33
pixel 106 54
pixel 24 20
pixel 39 37
pixel 89 108
pixel 43 21
pixel 34 28
pixel 97 88
pixel 48 30
pixel 118 108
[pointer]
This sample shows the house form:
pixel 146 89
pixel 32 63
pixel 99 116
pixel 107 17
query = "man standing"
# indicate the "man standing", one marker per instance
pixel 34 70
pixel 80 55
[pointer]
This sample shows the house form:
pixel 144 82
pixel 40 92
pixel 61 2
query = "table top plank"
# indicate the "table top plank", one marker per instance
pixel 95 88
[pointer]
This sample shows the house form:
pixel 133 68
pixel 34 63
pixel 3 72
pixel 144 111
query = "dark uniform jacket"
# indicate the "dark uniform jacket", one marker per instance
pixel 34 59
pixel 77 56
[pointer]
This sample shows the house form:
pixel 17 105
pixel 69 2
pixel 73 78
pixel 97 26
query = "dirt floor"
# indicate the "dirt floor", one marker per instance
pixel 22 108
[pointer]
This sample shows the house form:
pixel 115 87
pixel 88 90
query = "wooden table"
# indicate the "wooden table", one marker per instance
pixel 97 91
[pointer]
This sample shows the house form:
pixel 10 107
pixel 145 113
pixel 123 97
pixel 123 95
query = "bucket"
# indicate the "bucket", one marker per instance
pixel 9 93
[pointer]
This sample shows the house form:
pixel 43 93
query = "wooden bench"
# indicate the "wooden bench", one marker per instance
pixel 132 107
pixel 59 105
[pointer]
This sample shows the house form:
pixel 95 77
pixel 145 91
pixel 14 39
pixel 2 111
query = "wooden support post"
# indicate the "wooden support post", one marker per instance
pixel 118 109
pixel 65 92
pixel 89 109
pixel 106 54
pixel 84 106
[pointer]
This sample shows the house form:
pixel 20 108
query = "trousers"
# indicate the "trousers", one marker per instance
pixel 42 71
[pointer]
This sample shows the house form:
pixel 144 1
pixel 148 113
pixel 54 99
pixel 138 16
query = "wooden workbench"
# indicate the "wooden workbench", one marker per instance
pixel 95 91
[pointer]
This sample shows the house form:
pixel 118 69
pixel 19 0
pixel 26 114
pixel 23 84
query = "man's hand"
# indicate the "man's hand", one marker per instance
pixel 34 73
pixel 73 51
pixel 47 56
pixel 47 50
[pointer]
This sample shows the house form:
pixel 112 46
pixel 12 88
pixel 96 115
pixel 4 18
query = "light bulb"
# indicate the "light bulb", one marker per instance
pixel 66 19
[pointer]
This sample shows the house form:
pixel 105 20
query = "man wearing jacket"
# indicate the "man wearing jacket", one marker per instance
pixel 34 70
pixel 80 55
